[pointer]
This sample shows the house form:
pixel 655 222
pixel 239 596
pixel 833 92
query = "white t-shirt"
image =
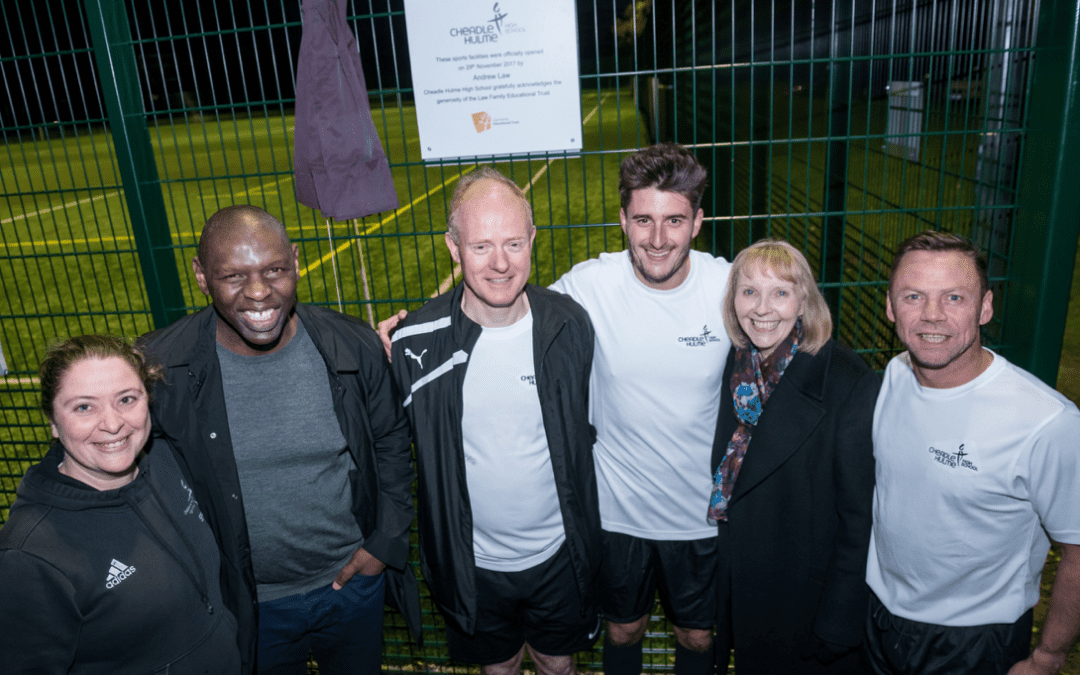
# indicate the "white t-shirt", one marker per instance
pixel 517 522
pixel 654 393
pixel 968 478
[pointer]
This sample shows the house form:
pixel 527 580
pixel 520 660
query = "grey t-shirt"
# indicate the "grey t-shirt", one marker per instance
pixel 293 464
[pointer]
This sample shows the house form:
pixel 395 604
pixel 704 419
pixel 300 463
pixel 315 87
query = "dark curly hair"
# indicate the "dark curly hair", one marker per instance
pixel 665 166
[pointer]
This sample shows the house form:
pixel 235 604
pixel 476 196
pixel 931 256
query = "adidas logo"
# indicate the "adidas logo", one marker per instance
pixel 118 571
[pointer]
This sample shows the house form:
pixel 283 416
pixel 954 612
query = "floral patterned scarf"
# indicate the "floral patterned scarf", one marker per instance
pixel 751 385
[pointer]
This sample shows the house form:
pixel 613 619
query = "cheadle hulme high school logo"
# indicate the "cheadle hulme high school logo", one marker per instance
pixel 700 340
pixel 482 121
pixel 955 459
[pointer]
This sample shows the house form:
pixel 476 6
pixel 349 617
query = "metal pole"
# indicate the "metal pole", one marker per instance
pixel 836 162
pixel 1048 220
pixel 117 70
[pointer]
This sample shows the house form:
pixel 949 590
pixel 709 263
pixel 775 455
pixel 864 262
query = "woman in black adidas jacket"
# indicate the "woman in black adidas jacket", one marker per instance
pixel 106 563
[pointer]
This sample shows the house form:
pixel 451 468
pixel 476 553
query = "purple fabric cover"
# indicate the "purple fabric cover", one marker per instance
pixel 340 165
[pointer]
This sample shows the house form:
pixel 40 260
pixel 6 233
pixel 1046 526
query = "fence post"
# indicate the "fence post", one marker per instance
pixel 836 157
pixel 118 74
pixel 1048 219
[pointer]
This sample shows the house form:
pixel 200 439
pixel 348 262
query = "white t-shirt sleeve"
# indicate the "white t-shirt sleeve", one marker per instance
pixel 1054 476
pixel 582 278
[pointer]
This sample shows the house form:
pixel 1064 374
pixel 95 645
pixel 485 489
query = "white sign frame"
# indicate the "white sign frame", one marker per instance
pixel 494 78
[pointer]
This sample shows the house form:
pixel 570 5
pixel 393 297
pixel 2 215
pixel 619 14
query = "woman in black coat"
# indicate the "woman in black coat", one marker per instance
pixel 793 469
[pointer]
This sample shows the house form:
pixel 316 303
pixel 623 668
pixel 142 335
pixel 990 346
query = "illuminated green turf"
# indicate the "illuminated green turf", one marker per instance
pixel 70 265
pixel 69 249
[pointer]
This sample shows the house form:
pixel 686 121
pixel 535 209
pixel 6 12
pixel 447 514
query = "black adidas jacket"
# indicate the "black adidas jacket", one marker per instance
pixel 189 407
pixel 562 352
pixel 112 582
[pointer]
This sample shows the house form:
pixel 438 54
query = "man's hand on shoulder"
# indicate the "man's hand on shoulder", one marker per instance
pixel 361 562
pixel 387 326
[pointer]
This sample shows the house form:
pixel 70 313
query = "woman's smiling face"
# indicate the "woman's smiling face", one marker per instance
pixel 101 414
pixel 767 307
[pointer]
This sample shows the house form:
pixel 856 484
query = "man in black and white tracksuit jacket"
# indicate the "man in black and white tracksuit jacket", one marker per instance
pixel 495 380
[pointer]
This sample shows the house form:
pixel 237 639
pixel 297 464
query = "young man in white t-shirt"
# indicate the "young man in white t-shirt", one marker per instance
pixel 978 463
pixel 657 373
pixel 495 379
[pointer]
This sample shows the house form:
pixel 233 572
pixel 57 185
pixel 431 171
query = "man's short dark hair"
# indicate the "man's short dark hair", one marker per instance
pixel 668 167
pixel 931 240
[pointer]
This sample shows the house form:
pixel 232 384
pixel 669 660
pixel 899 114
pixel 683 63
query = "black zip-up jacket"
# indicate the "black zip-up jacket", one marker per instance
pixel 189 407
pixel 562 354
pixel 111 582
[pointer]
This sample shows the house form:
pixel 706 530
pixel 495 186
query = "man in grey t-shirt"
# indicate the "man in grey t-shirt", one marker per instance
pixel 285 416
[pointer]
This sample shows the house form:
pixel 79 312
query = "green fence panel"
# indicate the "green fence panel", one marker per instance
pixel 846 127
pixel 119 77
pixel 843 127
pixel 1049 214
pixel 69 260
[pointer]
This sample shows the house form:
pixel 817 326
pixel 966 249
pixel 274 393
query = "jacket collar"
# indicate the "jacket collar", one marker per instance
pixel 807 374
pixel 464 330
pixel 338 354
pixel 195 335
pixel 199 339
pixel 44 484
pixel 546 323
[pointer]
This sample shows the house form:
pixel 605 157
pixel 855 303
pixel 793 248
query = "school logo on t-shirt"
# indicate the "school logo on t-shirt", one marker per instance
pixel 705 338
pixel 951 458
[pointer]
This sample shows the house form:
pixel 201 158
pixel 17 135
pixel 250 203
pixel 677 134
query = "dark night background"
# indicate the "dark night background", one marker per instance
pixel 211 55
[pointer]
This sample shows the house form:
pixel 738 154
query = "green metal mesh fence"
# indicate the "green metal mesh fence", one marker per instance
pixel 843 127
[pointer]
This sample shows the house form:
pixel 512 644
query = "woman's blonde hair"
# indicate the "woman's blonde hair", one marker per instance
pixel 785 262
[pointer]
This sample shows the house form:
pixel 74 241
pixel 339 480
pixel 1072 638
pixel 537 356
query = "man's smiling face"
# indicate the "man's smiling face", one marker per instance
pixel 659 227
pixel 938 307
pixel 250 273
pixel 494 249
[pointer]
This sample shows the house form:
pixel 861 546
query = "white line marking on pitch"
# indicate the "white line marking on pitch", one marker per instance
pixel 400 210
pixel 13 380
pixel 23 216
pixel 118 238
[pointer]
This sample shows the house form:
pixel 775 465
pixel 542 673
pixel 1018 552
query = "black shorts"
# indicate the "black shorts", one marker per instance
pixel 634 569
pixel 540 605
pixel 895 645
